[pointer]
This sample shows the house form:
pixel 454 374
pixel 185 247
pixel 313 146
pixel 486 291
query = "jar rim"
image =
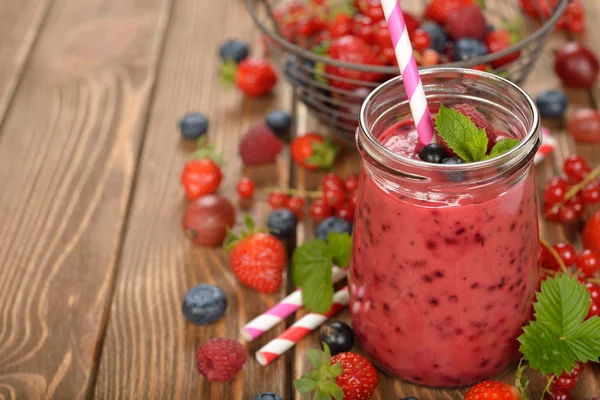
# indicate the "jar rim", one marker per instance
pixel 373 144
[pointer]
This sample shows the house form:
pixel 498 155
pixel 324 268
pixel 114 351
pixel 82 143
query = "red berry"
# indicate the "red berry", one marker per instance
pixel 312 151
pixel 593 290
pixel 255 77
pixel 498 40
pixel 334 197
pixel 565 381
pixel 492 390
pixel 363 28
pixel 577 370
pixel 358 379
pixel 550 212
pixel 346 211
pixel 351 182
pixel 296 205
pixel 382 36
pixel 467 22
pixel 584 125
pixel 375 12
pixel 557 181
pixel 576 205
pixel 590 194
pixel 421 40
pixel 576 66
pixel 588 262
pixel 319 210
pixel 594 310
pixel 439 10
pixel 576 168
pixel 278 200
pixel 566 252
pixel 591 233
pixel 259 145
pixel 554 194
pixel 430 57
pixel 412 23
pixel 220 359
pixel 200 177
pixel 340 26
pixel 207 219
pixel 331 180
pixel 560 394
pixel 245 188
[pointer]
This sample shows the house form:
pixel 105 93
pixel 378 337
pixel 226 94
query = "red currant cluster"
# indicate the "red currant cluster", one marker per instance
pixel 566 197
pixel 339 198
pixel 561 386
pixel 294 203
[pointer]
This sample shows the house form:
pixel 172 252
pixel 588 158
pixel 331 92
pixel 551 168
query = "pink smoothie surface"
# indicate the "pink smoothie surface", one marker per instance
pixel 439 294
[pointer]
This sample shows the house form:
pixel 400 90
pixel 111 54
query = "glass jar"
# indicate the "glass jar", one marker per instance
pixel 445 257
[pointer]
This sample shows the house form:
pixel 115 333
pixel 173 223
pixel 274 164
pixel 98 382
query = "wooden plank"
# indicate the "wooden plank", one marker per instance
pixel 150 348
pixel 21 23
pixel 68 150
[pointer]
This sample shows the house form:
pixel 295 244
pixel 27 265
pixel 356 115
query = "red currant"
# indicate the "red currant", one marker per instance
pixel 577 370
pixel 363 28
pixel 576 168
pixel 278 200
pixel 245 188
pixel 576 204
pixel 557 181
pixel 319 210
pixel 351 183
pixel 547 259
pixel 565 381
pixel 593 290
pixel 334 198
pixel 331 181
pixel 567 214
pixel 296 205
pixel 560 394
pixel 588 262
pixel 346 211
pixel 566 252
pixel 551 213
pixel 554 194
pixel 340 26
pixel 375 12
pixel 590 194
pixel 421 40
pixel 382 36
pixel 594 310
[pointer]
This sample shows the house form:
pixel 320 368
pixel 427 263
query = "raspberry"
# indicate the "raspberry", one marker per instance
pixel 479 121
pixel 259 145
pixel 220 359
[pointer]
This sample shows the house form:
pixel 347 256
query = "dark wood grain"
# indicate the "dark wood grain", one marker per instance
pixel 20 24
pixel 68 149
pixel 150 348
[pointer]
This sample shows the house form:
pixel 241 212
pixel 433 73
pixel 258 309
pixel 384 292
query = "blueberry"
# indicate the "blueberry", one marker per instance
pixel 204 304
pixel 334 224
pixel 453 161
pixel 279 121
pixel 338 336
pixel 552 103
pixel 490 28
pixel 193 125
pixel 433 153
pixel 267 396
pixel 466 48
pixel 235 50
pixel 282 223
pixel 299 71
pixel 438 36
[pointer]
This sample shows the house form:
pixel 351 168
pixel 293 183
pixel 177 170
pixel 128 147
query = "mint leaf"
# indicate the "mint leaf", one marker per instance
pixel 317 290
pixel 502 147
pixel 304 385
pixel 559 337
pixel 461 134
pixel 307 258
pixel 339 246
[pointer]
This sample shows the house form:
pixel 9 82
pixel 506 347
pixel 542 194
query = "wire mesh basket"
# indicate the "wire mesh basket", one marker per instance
pixel 337 107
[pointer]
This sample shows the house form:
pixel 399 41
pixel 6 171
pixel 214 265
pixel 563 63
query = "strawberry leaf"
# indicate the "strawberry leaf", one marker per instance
pixel 228 71
pixel 335 369
pixel 322 379
pixel 334 390
pixel 323 155
pixel 305 385
pixel 315 358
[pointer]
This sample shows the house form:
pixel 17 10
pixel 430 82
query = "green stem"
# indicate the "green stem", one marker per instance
pixel 561 264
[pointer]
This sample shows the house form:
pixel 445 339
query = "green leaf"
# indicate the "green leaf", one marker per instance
pixel 307 258
pixel 502 147
pixel 319 72
pixel 340 247
pixel 249 223
pixel 321 48
pixel 334 390
pixel 521 381
pixel 461 134
pixel 559 337
pixel 336 369
pixel 312 375
pixel 304 385
pixel 314 357
pixel 228 71
pixel 317 291
pixel 481 4
pixel 320 395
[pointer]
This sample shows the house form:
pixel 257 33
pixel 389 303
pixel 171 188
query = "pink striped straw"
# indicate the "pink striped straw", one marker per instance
pixel 288 339
pixel 547 147
pixel 408 70
pixel 281 311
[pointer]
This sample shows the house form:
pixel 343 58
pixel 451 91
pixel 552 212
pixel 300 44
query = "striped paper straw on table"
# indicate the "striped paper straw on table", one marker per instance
pixel 408 69
pixel 276 347
pixel 281 311
pixel 547 147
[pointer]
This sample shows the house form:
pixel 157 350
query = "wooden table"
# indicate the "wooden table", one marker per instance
pixel 93 262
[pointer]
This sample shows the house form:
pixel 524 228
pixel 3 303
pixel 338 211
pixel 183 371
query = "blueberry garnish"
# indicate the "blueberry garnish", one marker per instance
pixel 267 396
pixel 334 224
pixel 467 48
pixel 453 161
pixel 438 36
pixel 234 49
pixel 193 125
pixel 433 153
pixel 338 336
pixel 279 121
pixel 282 223
pixel 204 304
pixel 551 103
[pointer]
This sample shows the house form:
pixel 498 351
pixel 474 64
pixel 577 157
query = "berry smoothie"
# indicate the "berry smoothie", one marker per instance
pixel 441 285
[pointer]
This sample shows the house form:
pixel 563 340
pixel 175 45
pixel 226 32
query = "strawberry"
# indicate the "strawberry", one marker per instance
pixel 499 40
pixel 355 377
pixel 202 174
pixel 591 233
pixel 253 76
pixel 353 50
pixel 492 390
pixel 257 259
pixel 466 22
pixel 312 151
pixel 536 7
pixel 439 10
